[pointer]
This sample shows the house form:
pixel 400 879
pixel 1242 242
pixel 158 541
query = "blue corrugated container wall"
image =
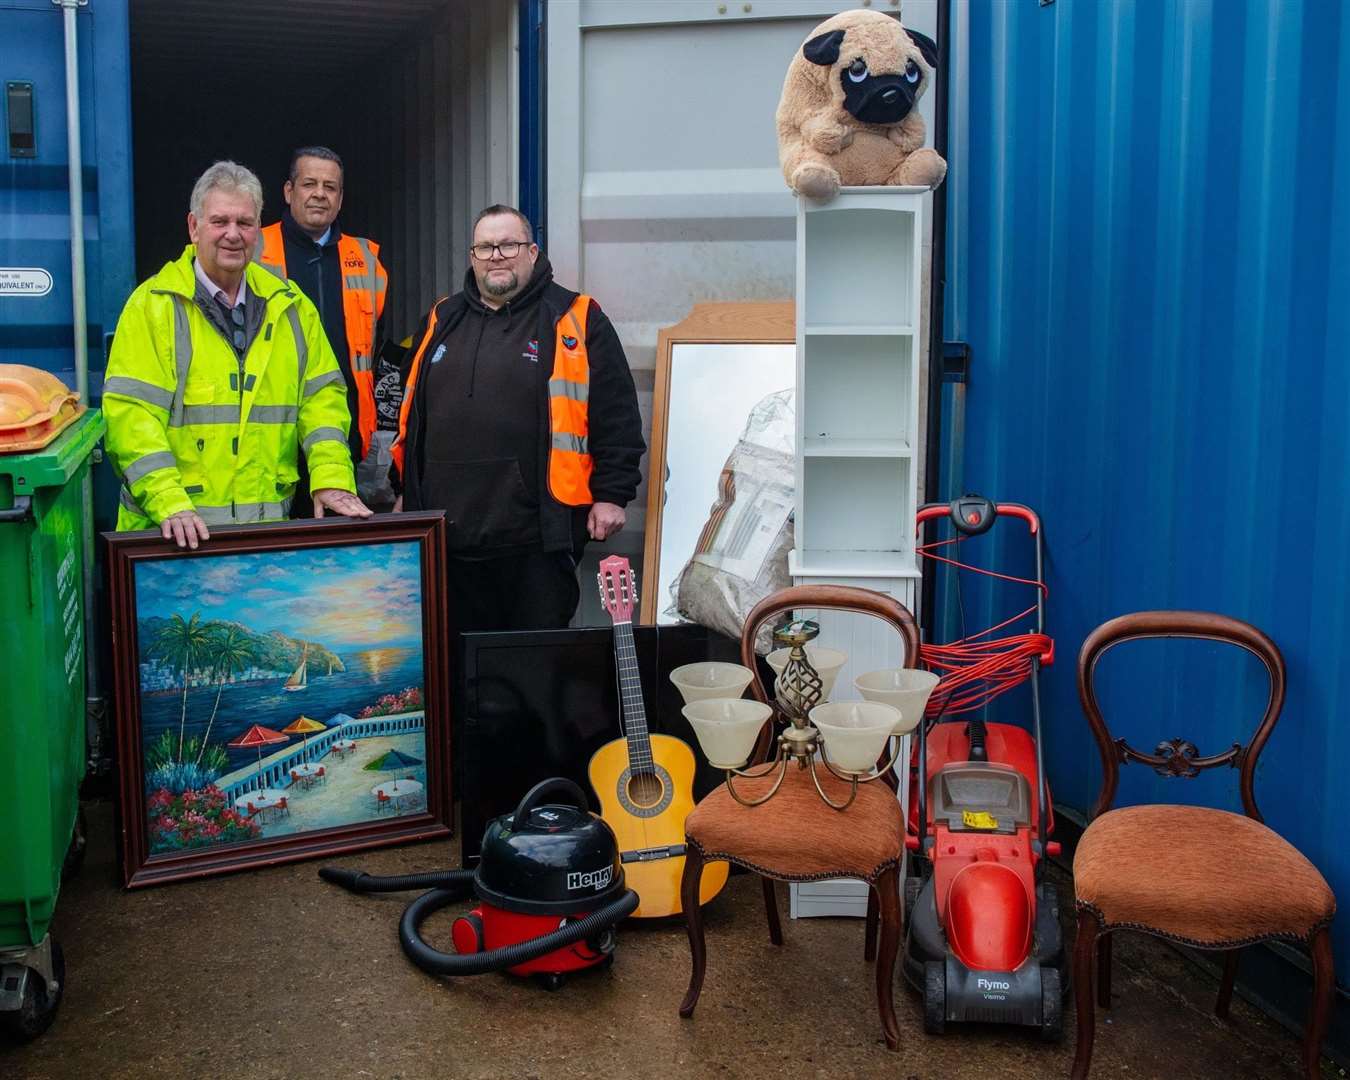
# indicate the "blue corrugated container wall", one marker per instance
pixel 34 196
pixel 1148 257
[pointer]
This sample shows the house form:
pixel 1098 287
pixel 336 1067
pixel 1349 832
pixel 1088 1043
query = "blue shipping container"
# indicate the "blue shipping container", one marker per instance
pixel 1147 256
pixel 34 193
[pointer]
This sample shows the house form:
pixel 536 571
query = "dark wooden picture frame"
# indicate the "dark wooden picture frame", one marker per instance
pixel 291 543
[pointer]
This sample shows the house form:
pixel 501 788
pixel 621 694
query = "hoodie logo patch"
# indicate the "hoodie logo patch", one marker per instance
pixel 569 341
pixel 531 352
pixel 436 356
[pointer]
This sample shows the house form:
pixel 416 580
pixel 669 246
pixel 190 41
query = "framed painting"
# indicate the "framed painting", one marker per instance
pixel 281 693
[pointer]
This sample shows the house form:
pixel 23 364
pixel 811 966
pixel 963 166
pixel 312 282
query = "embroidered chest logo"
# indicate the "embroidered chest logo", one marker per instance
pixel 436 356
pixel 531 352
pixel 569 341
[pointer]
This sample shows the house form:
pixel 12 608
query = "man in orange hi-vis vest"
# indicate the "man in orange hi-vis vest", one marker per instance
pixel 343 276
pixel 519 420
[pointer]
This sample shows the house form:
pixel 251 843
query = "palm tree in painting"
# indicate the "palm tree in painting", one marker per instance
pixel 183 644
pixel 231 652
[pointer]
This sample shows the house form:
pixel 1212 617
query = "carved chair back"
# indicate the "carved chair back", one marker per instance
pixel 1178 757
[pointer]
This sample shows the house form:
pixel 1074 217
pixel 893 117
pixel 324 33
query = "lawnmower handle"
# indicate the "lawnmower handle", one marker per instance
pixel 934 510
pixel 536 794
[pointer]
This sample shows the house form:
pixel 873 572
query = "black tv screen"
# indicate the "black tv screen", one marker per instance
pixel 535 704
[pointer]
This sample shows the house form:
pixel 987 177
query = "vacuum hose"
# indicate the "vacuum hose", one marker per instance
pixel 358 881
pixel 450 886
pixel 439 963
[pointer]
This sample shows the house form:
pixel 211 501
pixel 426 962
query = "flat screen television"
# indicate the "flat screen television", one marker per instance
pixel 535 704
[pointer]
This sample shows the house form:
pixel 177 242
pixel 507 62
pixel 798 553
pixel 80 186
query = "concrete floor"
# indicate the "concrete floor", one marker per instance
pixel 273 974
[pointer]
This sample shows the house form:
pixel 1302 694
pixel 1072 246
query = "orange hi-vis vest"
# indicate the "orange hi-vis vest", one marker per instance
pixel 569 457
pixel 364 284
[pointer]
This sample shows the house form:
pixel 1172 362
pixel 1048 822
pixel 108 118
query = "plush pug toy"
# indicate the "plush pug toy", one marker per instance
pixel 849 114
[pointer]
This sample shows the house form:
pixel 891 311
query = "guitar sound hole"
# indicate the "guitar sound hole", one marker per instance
pixel 644 789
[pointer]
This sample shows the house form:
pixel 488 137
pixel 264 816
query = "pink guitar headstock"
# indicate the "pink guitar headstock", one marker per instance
pixel 618 588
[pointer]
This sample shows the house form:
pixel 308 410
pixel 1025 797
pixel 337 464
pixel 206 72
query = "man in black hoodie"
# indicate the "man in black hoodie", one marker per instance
pixel 521 422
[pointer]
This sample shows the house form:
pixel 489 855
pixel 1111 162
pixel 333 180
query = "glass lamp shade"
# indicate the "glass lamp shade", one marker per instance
pixel 710 679
pixel 727 728
pixel 905 689
pixel 826 661
pixel 855 732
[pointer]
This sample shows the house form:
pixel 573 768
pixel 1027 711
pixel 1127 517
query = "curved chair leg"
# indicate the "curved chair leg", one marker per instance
pixel 1319 1011
pixel 1104 972
pixel 870 930
pixel 693 920
pixel 1230 966
pixel 771 911
pixel 887 892
pixel 1083 952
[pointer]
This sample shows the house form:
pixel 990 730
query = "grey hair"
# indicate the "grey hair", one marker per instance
pixel 227 176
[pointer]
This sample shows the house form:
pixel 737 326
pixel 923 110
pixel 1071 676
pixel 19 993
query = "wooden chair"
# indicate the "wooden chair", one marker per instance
pixel 283 807
pixel 1205 878
pixel 795 836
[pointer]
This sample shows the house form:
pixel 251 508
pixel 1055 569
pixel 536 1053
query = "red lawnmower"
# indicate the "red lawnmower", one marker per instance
pixel 983 940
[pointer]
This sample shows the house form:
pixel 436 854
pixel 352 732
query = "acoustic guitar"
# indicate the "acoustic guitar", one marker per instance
pixel 644 781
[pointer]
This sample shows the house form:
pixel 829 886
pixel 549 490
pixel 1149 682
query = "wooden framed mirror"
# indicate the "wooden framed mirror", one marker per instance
pixel 711 370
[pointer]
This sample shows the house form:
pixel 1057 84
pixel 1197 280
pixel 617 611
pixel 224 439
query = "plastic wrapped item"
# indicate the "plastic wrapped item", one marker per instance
pixel 742 552
pixel 372 475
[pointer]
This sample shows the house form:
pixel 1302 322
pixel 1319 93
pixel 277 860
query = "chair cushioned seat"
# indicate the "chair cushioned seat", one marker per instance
pixel 1205 877
pixel 795 836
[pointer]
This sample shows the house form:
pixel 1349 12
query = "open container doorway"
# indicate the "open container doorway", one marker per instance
pixel 419 97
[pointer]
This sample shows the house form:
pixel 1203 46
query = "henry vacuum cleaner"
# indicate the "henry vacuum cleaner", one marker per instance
pixel 550 887
pixel 983 939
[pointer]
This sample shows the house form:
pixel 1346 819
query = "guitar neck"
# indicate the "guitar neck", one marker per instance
pixel 630 699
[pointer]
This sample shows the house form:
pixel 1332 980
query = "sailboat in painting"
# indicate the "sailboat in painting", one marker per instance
pixel 299 677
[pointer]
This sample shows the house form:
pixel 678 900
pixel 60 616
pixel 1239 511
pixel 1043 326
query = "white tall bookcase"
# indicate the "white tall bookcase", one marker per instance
pixel 859 326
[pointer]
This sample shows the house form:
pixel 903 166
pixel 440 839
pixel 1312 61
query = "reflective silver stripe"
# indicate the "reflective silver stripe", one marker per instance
pixel 301 345
pixel 575 325
pixel 362 363
pixel 322 435
pixel 140 390
pixel 577 444
pixel 362 281
pixel 376 286
pixel 328 378
pixel 244 513
pixel 129 501
pixel 273 414
pixel 205 414
pixel 148 463
pixel 271 268
pixel 182 356
pixel 577 391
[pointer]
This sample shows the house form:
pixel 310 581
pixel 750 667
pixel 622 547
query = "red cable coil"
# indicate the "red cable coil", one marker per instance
pixel 974 671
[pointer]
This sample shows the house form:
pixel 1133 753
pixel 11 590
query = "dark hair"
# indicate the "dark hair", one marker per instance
pixel 320 152
pixel 499 208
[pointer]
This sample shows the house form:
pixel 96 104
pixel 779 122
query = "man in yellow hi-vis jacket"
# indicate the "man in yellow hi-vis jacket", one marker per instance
pixel 219 373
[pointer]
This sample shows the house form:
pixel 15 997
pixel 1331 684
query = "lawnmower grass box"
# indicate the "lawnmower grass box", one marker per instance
pixel 42 690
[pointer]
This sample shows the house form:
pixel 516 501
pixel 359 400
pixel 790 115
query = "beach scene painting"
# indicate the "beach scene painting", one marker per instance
pixel 280 692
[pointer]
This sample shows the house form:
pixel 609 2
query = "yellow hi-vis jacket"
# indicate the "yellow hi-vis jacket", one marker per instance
pixel 191 428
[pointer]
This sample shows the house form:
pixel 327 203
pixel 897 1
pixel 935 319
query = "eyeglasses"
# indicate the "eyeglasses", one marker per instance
pixel 508 250
pixel 237 317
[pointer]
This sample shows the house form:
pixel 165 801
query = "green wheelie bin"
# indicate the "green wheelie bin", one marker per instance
pixel 42 711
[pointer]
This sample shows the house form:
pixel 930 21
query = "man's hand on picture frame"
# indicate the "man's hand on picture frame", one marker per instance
pixel 185 528
pixel 339 502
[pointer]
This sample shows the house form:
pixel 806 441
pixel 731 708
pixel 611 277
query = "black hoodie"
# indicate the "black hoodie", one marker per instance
pixel 478 438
